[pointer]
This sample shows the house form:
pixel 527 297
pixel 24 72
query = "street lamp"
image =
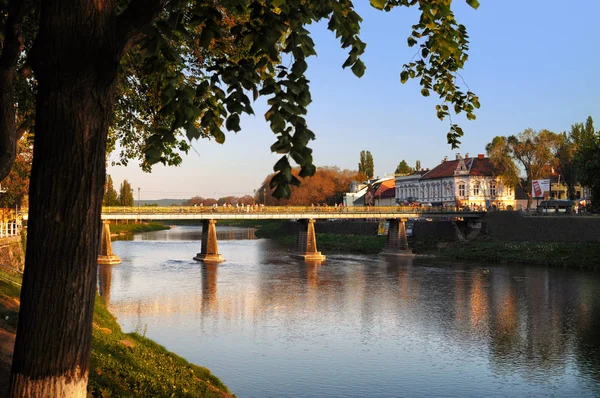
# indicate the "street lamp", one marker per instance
pixel 138 196
pixel 265 196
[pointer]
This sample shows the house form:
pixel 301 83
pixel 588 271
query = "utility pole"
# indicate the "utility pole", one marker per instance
pixel 138 196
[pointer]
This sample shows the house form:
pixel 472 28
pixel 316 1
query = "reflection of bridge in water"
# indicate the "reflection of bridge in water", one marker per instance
pixel 237 234
pixel 306 241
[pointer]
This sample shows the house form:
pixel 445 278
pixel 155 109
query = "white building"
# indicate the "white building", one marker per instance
pixel 461 182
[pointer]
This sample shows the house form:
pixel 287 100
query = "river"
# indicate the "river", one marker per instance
pixel 359 326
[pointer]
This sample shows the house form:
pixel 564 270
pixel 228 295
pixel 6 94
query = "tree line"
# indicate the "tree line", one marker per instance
pixel 123 198
pixel 232 200
pixel 530 155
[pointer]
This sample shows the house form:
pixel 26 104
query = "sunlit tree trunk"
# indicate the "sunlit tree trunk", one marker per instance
pixel 76 80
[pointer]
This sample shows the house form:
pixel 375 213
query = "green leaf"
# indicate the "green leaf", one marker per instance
pixel 359 68
pixel 379 4
pixel 282 191
pixel 233 122
pixel 472 3
pixel 403 77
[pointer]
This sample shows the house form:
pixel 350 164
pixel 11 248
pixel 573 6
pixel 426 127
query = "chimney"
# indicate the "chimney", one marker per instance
pixel 467 155
pixel 481 156
pixel 457 156
pixel 445 158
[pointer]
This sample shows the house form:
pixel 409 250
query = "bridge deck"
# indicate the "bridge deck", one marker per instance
pixel 280 213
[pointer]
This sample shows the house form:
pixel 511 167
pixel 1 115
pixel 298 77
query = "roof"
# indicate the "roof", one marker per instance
pixel 387 189
pixel 476 166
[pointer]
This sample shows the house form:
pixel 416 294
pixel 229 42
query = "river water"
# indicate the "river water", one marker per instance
pixel 359 326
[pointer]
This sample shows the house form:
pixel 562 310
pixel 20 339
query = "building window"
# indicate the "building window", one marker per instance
pixel 461 189
pixel 476 189
pixel 493 188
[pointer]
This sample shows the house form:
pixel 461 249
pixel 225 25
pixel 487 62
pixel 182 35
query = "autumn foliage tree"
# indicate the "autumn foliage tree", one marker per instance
pixel 327 186
pixel 16 184
pixel 86 66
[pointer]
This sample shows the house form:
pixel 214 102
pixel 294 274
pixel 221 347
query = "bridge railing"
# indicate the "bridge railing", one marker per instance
pixel 141 210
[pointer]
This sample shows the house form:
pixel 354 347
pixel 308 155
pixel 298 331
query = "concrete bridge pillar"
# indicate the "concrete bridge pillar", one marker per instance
pixel 106 256
pixel 396 243
pixel 306 242
pixel 209 252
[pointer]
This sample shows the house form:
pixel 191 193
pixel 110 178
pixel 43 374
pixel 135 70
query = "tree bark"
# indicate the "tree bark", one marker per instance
pixel 75 65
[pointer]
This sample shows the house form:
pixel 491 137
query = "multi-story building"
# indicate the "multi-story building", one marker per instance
pixel 461 182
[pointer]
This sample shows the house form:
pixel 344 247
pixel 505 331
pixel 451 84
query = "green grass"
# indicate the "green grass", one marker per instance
pixel 144 369
pixel 10 290
pixel 583 255
pixel 137 227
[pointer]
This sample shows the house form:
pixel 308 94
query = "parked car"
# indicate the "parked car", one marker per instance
pixel 556 206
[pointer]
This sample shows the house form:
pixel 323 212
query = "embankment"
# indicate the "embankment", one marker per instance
pixel 12 255
pixel 121 364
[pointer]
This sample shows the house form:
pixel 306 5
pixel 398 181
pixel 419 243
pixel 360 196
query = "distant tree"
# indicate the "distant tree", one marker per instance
pixel 195 201
pixel 418 165
pixel 403 168
pixel 500 156
pixel 125 194
pixel 587 161
pixel 564 152
pixel 246 200
pixel 232 200
pixel 365 165
pixel 327 186
pixel 209 201
pixel 16 183
pixel 110 194
pixel 533 150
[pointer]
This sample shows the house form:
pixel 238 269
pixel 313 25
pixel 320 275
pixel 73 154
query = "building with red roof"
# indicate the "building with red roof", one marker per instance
pixel 463 182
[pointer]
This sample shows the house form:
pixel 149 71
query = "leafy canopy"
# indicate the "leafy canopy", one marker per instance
pixel 193 72
pixel 403 168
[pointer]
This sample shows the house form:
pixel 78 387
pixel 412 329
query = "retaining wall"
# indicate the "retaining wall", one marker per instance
pixel 11 253
pixel 513 226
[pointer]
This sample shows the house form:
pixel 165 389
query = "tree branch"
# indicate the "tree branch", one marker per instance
pixel 8 65
pixel 138 15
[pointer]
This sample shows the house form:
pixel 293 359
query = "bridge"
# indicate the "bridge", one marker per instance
pixel 306 242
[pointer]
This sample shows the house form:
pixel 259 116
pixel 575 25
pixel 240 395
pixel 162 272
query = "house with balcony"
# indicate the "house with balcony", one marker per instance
pixel 462 182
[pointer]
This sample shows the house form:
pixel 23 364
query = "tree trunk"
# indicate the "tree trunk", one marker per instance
pixel 76 80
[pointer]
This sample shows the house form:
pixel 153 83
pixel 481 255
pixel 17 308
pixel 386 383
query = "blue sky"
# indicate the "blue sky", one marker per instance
pixel 532 63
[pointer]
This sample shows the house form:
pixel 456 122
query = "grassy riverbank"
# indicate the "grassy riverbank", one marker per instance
pixel 576 255
pixel 121 364
pixel 137 227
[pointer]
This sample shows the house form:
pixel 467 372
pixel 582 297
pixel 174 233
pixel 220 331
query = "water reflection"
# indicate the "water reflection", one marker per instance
pixel 104 281
pixel 181 233
pixel 272 326
pixel 209 286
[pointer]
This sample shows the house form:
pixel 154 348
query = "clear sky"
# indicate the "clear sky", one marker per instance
pixel 532 63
